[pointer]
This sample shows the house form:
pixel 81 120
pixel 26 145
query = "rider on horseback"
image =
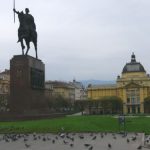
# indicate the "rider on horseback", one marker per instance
pixel 27 28
pixel 30 26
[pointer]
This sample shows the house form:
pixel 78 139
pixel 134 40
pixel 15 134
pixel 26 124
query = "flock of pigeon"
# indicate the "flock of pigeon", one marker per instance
pixel 71 141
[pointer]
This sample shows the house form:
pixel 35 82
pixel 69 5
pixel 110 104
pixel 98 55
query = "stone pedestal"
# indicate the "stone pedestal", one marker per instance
pixel 27 79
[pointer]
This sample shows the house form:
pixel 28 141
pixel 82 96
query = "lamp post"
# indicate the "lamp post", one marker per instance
pixel 122 124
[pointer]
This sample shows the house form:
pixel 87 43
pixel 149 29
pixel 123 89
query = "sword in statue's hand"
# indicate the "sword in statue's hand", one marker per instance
pixel 14 11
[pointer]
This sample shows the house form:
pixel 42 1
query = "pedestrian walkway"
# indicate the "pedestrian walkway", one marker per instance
pixel 72 141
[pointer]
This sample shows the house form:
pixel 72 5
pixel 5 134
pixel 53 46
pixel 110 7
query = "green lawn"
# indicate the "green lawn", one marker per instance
pixel 77 124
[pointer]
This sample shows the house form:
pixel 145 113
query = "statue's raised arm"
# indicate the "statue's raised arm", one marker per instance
pixel 17 12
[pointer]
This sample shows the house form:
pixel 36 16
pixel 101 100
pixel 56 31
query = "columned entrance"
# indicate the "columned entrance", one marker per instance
pixel 133 100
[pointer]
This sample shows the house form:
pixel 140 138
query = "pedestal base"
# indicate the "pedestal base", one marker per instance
pixel 27 79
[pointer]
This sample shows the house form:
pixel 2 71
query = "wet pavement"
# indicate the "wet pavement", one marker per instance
pixel 72 141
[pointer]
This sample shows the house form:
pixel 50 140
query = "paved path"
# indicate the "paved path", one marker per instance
pixel 77 141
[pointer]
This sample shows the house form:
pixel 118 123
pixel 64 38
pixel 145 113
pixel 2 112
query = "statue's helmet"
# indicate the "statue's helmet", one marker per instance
pixel 27 10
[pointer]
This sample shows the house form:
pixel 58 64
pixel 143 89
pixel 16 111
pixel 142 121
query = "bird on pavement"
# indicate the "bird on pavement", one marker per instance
pixel 65 142
pixel 53 141
pixel 71 145
pixel 91 147
pixel 109 145
pixel 94 137
pixel 81 136
pixel 27 145
pixel 86 145
pixel 128 140
pixel 134 138
pixel 139 147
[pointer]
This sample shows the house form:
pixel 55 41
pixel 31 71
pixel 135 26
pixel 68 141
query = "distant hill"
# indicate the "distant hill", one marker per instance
pixel 95 82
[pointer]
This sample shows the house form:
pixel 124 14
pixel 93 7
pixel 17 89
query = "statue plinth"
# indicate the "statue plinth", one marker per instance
pixel 27 80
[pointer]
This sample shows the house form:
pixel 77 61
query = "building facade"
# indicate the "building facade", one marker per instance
pixel 4 89
pixel 5 82
pixel 54 88
pixel 80 92
pixel 132 87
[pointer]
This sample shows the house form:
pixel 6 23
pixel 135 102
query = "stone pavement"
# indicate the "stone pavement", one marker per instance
pixel 72 141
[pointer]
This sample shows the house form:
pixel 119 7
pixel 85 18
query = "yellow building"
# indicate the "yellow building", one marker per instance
pixel 133 87
pixel 4 89
pixel 64 89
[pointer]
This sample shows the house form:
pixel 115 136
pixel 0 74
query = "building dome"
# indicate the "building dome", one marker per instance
pixel 133 66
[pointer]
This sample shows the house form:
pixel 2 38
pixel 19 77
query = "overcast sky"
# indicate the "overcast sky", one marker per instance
pixel 81 39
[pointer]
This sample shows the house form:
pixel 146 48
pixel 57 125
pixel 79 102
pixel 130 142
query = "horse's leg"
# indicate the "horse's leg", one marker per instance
pixel 28 46
pixel 22 45
pixel 36 53
pixel 35 45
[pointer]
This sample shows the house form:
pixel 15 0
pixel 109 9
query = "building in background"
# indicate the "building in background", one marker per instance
pixel 4 89
pixel 64 89
pixel 5 75
pixel 80 91
pixel 70 90
pixel 132 87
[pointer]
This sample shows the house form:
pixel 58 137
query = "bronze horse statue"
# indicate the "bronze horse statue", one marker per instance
pixel 29 38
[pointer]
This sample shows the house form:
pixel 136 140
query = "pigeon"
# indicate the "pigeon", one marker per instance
pixel 86 145
pixel 35 138
pixel 67 136
pixel 6 140
pixel 25 139
pixel 71 145
pixel 44 139
pixel 136 134
pixel 81 137
pixel 147 141
pixel 139 147
pixel 94 138
pixel 48 138
pixel 71 138
pixel 27 145
pixel 102 135
pixel 34 134
pixel 109 145
pixel 53 141
pixel 128 140
pixel 39 137
pixel 90 148
pixel 62 135
pixel 91 134
pixel 134 138
pixel 65 142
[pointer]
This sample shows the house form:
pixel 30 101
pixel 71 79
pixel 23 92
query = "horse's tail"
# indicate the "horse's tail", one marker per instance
pixel 35 40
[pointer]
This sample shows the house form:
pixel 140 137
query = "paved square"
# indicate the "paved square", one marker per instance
pixel 71 141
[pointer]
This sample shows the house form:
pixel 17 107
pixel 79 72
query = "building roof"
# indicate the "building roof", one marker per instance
pixel 77 84
pixel 133 66
pixel 103 86
pixel 6 71
pixel 59 84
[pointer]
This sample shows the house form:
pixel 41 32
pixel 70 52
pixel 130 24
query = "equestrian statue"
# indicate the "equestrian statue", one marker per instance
pixel 26 31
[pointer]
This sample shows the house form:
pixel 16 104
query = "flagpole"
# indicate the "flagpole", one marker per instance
pixel 14 12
